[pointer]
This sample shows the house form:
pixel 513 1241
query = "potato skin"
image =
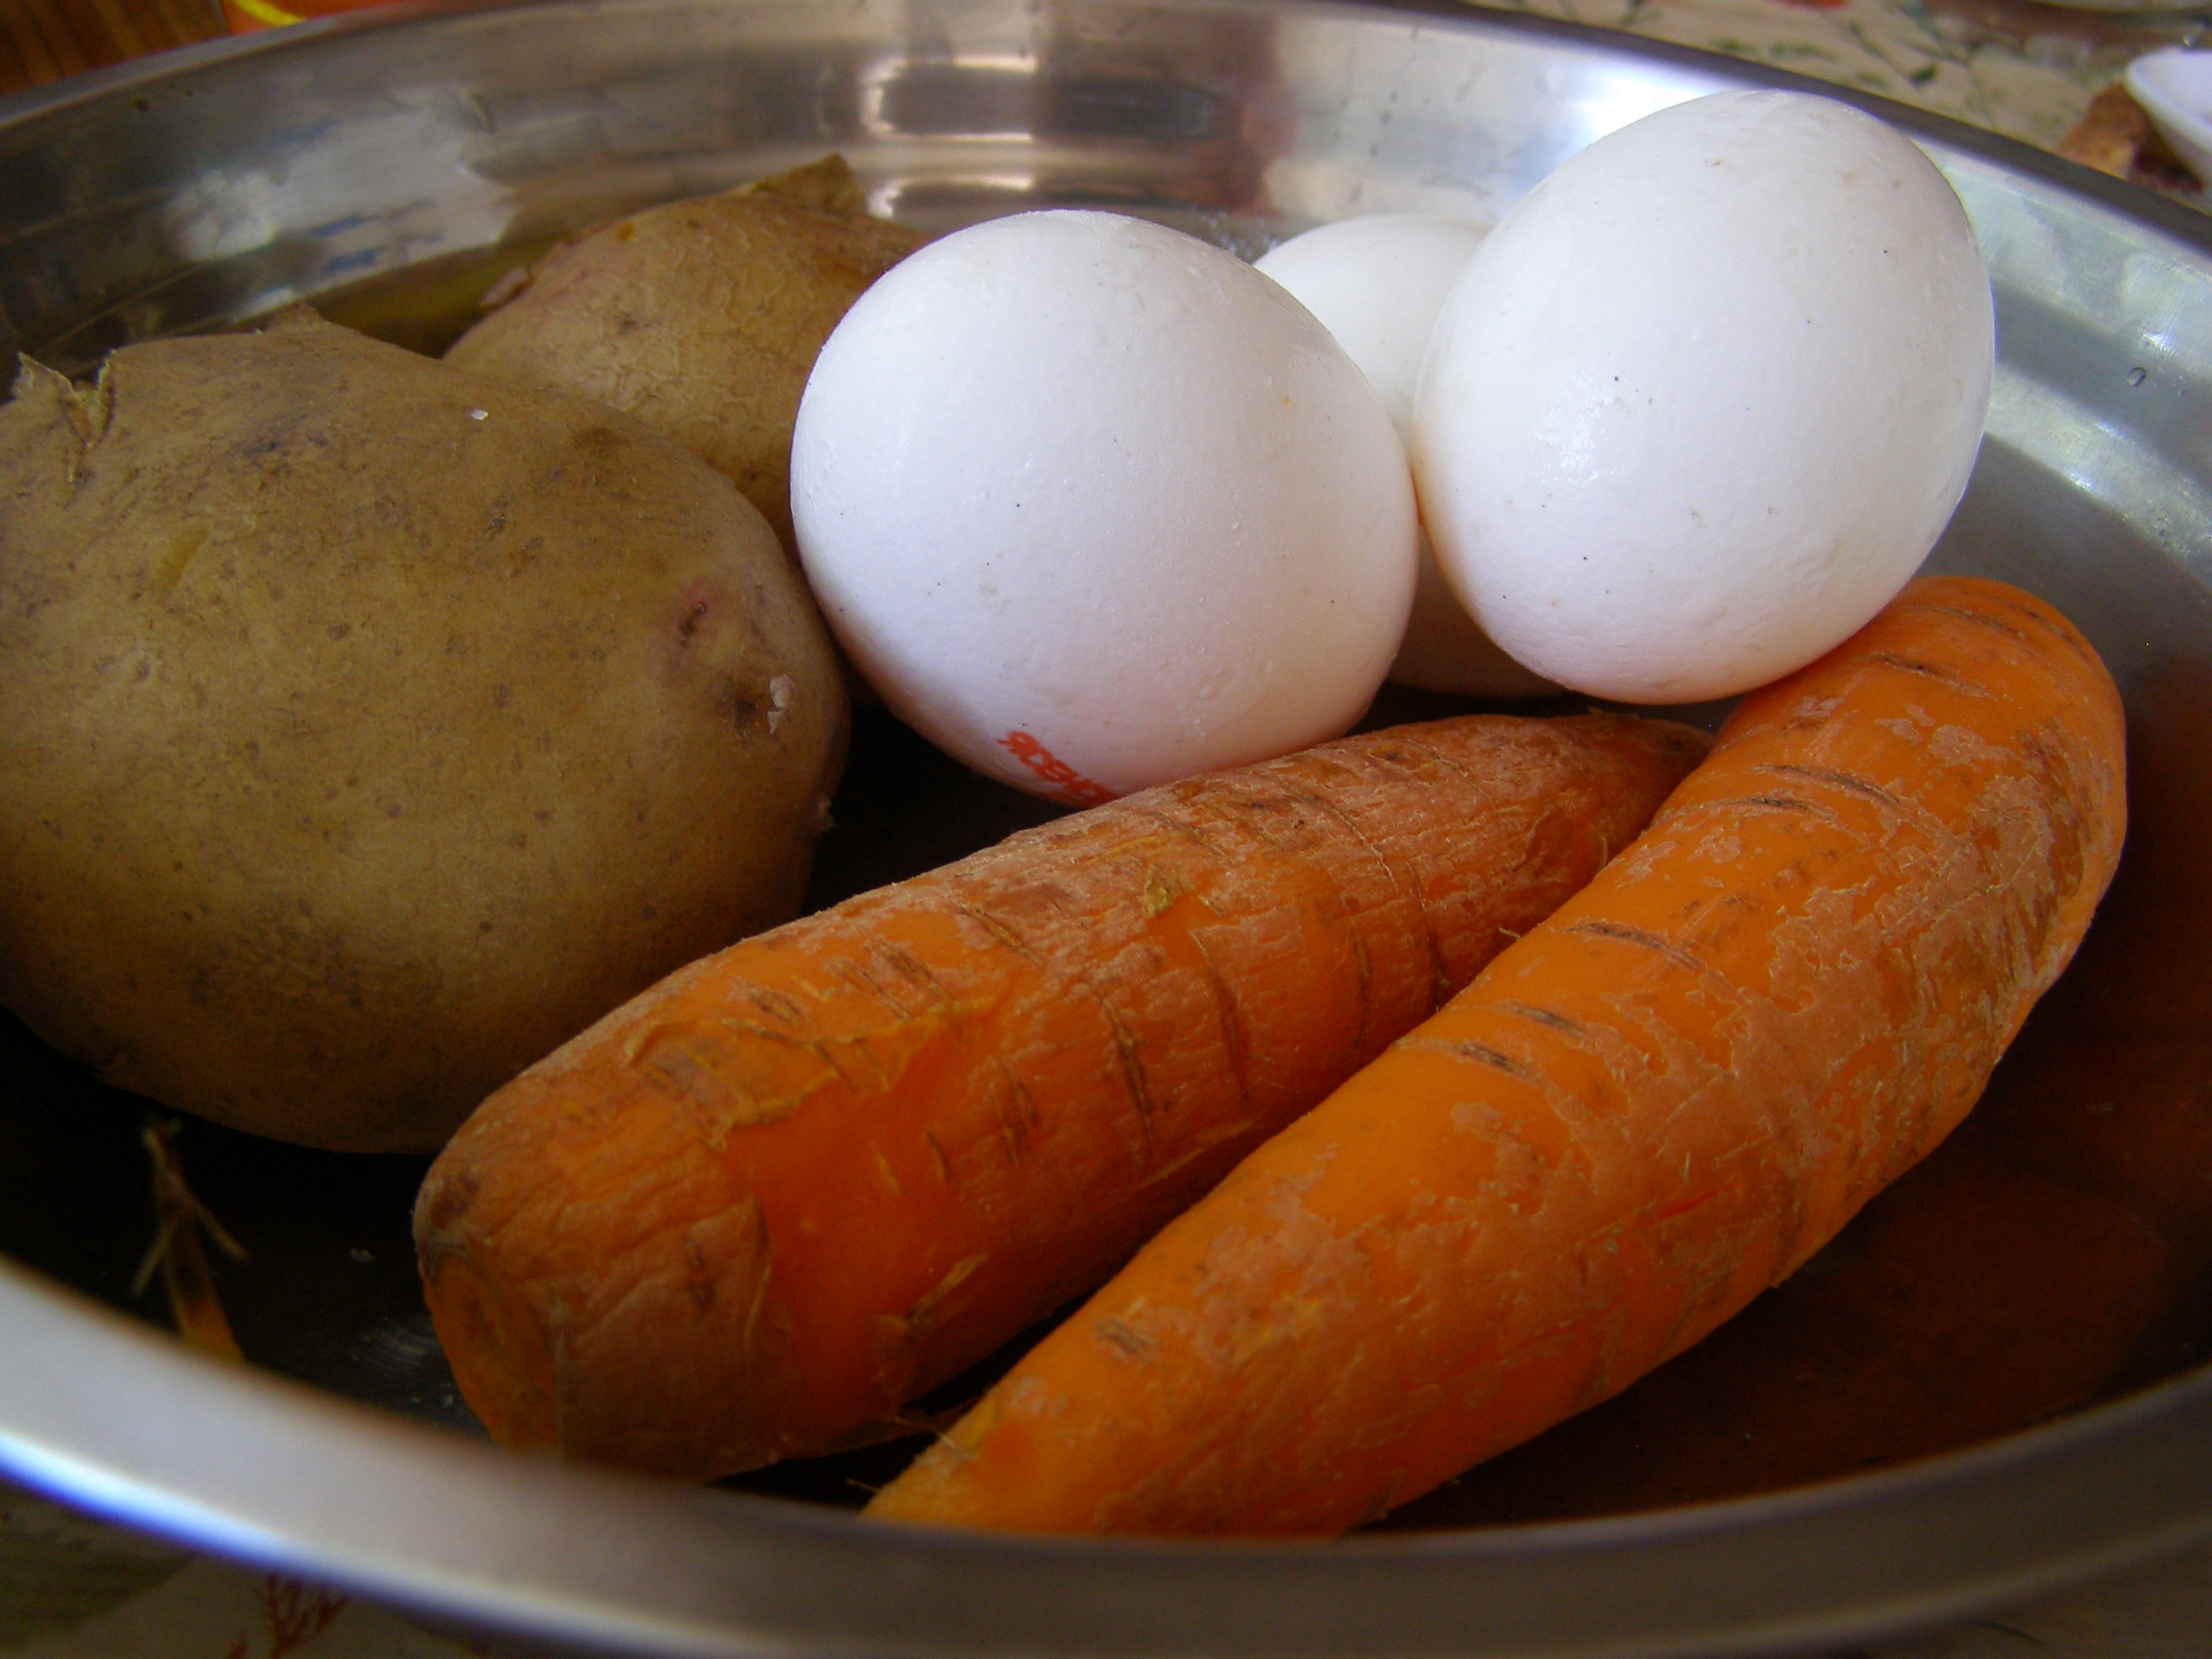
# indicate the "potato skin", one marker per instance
pixel 700 316
pixel 372 728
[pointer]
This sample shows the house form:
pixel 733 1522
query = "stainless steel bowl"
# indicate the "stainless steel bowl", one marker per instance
pixel 1993 1383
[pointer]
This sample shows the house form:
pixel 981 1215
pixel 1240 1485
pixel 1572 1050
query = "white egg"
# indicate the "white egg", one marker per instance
pixel 1703 401
pixel 1376 283
pixel 1093 504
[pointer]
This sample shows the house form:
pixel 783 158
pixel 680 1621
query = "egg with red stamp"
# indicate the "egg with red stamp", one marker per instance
pixel 1093 504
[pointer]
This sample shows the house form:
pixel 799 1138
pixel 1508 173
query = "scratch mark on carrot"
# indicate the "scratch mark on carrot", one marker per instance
pixel 1976 617
pixel 908 967
pixel 864 982
pixel 998 931
pixel 762 1263
pixel 1400 882
pixel 1949 677
pixel 1773 804
pixel 1364 966
pixel 1169 827
pixel 1680 1205
pixel 699 1274
pixel 1129 1063
pixel 1132 1073
pixel 1543 1016
pixel 776 1004
pixel 1123 1340
pixel 1236 1040
pixel 1482 1053
pixel 1637 936
pixel 919 1318
pixel 833 1062
pixel 1846 780
pixel 1017 1112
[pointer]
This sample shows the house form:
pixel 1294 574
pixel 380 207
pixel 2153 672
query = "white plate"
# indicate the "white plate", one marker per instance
pixel 2174 87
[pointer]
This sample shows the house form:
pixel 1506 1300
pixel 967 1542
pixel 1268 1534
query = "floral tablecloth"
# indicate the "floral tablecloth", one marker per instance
pixel 2012 66
pixel 72 1588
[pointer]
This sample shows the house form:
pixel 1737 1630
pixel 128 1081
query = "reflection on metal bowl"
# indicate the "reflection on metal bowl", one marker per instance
pixel 1995 1382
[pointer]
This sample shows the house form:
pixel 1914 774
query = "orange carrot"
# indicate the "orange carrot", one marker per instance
pixel 758 1208
pixel 1651 1108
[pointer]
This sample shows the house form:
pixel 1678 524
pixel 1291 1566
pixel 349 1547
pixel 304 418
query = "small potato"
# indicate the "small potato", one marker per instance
pixel 373 728
pixel 702 317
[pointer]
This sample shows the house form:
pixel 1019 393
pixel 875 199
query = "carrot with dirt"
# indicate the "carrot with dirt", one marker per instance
pixel 1654 1105
pixel 759 1208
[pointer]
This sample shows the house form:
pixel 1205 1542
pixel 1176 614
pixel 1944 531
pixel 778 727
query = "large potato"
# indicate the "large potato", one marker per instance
pixel 703 317
pixel 371 728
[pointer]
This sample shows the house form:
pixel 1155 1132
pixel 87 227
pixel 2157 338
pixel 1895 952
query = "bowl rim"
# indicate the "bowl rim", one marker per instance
pixel 2190 224
pixel 348 1494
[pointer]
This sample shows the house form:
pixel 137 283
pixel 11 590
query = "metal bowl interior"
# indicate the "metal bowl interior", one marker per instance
pixel 1995 1382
